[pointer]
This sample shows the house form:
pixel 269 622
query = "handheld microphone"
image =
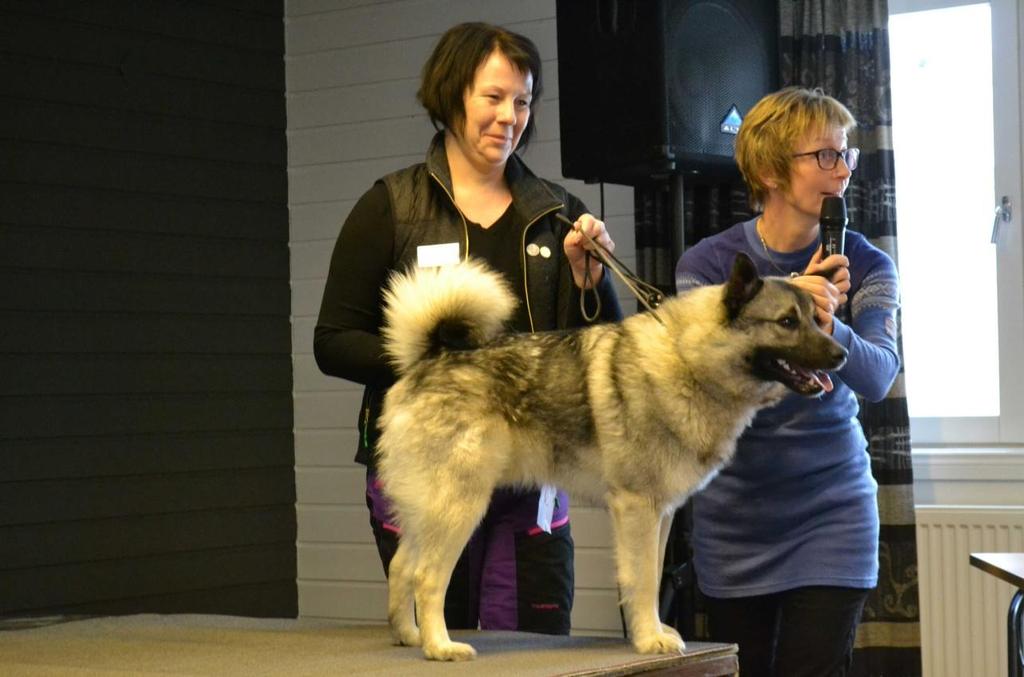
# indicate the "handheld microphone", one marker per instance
pixel 833 225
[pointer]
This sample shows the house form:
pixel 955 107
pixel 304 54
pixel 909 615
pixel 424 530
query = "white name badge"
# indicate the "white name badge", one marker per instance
pixel 434 255
pixel 546 507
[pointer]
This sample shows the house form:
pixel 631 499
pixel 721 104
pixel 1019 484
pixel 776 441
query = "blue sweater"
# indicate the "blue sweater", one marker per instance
pixel 797 505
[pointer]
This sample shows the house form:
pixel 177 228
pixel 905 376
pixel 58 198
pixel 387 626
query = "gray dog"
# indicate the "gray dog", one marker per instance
pixel 640 413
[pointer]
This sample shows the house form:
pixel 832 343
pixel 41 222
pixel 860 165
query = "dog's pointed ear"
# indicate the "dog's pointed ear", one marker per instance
pixel 743 285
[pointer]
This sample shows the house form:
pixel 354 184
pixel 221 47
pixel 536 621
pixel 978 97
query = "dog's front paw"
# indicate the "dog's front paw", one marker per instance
pixel 449 651
pixel 670 630
pixel 660 642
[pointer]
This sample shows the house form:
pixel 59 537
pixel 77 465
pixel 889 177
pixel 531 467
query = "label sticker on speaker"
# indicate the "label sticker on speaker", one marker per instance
pixel 732 121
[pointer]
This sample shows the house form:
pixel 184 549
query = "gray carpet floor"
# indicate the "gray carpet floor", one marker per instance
pixel 149 644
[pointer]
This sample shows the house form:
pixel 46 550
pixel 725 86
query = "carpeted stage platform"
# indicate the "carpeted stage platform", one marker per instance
pixel 226 645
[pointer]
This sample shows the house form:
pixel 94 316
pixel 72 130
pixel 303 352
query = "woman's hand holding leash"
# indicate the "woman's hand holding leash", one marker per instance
pixel 576 247
pixel 585 247
pixel 827 280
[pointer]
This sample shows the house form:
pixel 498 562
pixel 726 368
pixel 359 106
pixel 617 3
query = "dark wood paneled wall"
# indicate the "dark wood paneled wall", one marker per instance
pixel 146 451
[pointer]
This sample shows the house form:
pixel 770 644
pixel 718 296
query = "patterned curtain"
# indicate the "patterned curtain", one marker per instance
pixel 707 207
pixel 841 46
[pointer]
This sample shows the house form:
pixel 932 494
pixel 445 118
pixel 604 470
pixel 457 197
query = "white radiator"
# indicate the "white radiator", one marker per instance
pixel 963 609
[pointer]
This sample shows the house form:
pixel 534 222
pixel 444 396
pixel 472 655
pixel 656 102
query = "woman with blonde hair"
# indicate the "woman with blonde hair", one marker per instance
pixel 786 537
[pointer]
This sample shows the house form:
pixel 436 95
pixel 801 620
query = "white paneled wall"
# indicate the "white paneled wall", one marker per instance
pixel 963 609
pixel 352 71
pixel 968 501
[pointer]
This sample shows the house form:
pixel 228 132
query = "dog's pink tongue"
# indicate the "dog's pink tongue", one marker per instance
pixel 823 379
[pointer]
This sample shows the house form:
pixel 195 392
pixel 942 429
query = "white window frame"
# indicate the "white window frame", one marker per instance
pixel 1002 433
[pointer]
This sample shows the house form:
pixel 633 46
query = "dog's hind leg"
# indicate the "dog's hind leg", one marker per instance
pixel 636 523
pixel 449 530
pixel 401 603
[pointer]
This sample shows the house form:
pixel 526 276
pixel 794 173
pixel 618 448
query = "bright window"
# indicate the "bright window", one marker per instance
pixel 942 72
pixel 956 142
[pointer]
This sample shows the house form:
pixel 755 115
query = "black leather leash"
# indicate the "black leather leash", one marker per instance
pixel 648 295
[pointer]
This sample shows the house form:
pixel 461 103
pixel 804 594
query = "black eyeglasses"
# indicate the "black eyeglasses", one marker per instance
pixel 828 158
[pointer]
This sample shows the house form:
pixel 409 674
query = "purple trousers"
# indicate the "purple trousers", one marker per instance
pixel 511 575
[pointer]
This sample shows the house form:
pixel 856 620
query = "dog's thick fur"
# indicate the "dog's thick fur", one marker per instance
pixel 639 413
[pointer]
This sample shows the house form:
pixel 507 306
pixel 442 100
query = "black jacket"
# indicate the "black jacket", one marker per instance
pixel 424 213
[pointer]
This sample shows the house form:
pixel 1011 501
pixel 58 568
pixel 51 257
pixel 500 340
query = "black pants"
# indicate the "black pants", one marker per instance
pixel 804 632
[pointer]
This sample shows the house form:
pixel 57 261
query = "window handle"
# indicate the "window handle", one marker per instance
pixel 1004 214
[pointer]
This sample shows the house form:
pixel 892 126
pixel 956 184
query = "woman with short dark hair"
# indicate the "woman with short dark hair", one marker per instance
pixel 472 196
pixel 451 70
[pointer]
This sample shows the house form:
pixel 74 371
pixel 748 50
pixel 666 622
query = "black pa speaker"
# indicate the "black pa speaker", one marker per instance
pixel 649 88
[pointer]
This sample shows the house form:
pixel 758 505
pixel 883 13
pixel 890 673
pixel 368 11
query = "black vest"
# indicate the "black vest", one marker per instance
pixel 424 213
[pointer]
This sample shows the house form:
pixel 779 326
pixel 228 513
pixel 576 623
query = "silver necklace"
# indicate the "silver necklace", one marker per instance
pixel 768 253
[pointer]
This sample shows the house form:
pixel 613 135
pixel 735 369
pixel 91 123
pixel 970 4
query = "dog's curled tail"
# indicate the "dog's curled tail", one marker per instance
pixel 428 310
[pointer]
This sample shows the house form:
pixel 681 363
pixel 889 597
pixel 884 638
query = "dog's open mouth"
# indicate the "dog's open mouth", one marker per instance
pixel 793 376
